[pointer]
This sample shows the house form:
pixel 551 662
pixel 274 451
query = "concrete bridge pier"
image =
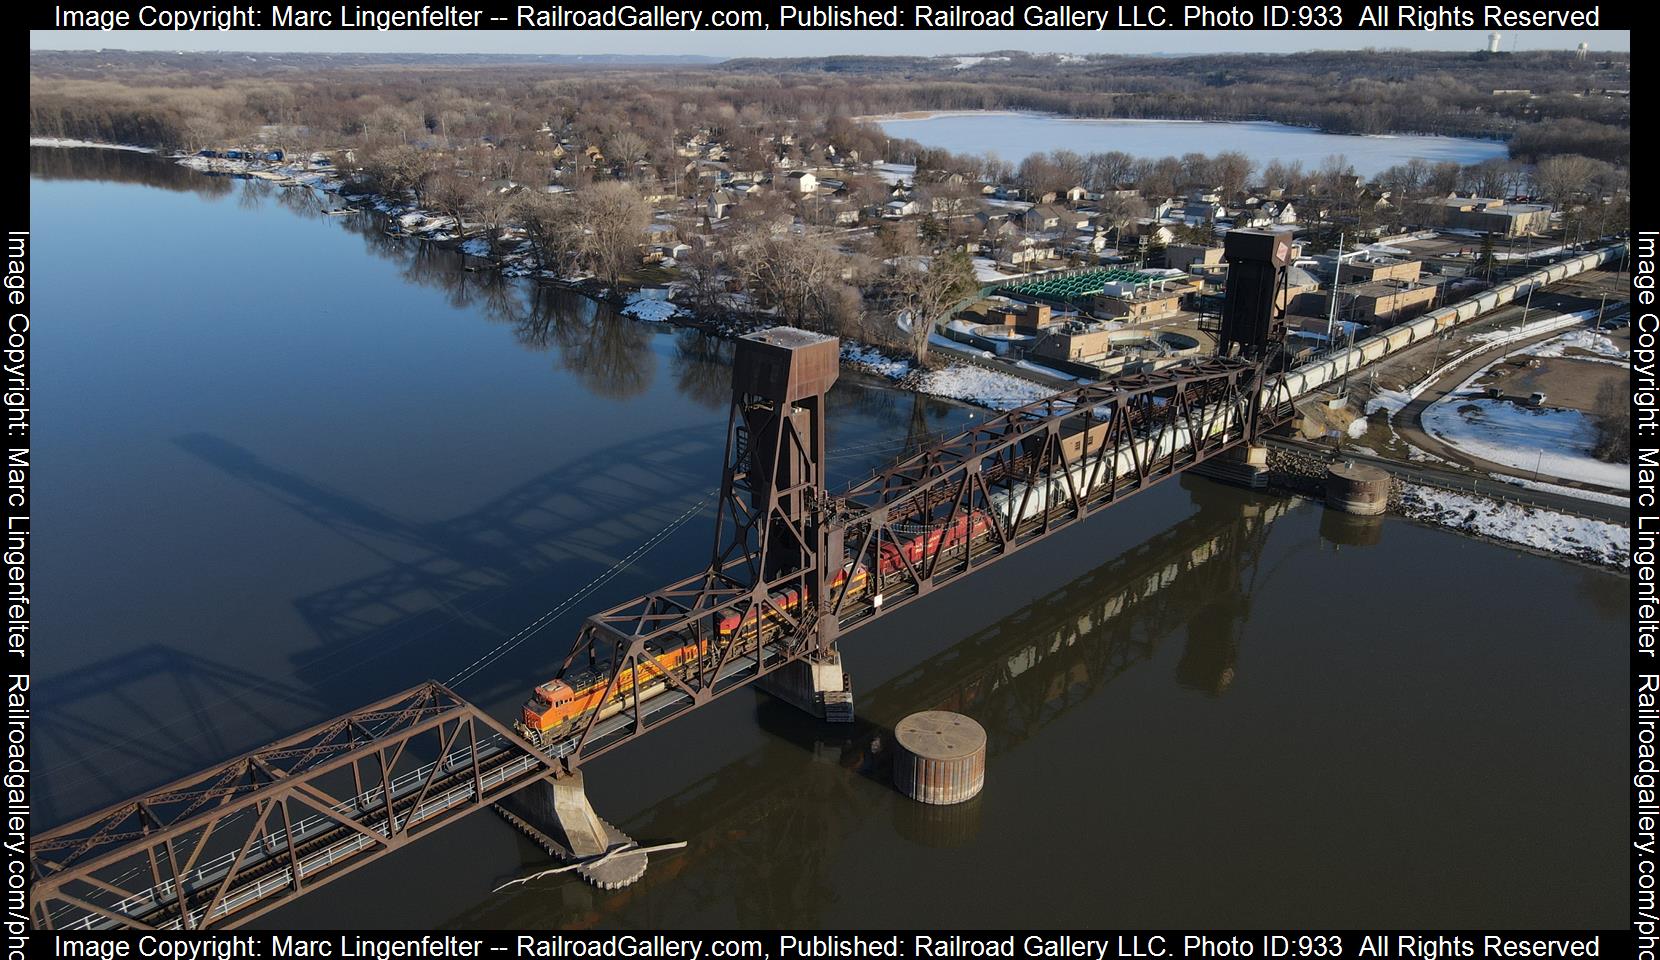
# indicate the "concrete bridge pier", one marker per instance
pixel 1244 465
pixel 816 685
pixel 557 815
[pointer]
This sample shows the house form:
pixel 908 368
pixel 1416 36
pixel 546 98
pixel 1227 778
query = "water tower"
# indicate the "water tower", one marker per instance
pixel 1583 50
pixel 1493 42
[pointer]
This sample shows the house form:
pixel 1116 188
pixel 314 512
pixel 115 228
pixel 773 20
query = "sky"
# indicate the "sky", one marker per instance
pixel 805 43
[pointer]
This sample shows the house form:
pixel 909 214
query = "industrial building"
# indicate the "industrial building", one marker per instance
pixel 1368 268
pixel 1383 302
pixel 1489 215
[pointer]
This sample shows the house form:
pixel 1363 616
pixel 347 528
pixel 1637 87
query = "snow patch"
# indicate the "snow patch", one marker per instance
pixel 985 270
pixel 643 306
pixel 896 172
pixel 971 384
pixel 1587 340
pixel 1576 492
pixel 1553 441
pixel 1593 540
pixel 70 142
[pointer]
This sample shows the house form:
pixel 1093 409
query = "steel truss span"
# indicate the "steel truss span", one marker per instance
pixel 221 847
pixel 925 522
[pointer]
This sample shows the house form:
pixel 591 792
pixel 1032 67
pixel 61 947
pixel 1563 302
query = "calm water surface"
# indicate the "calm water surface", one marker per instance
pixel 1015 136
pixel 287 466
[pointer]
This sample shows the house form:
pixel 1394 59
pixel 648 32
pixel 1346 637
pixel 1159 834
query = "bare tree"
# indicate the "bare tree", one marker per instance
pixel 1563 177
pixel 612 217
pixel 703 278
pixel 1233 172
pixel 923 291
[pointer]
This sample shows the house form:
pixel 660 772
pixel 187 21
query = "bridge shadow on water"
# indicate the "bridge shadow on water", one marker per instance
pixel 449 591
pixel 470 581
pixel 168 698
pixel 763 830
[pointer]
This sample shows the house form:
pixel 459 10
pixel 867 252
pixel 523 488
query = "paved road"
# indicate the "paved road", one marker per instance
pixel 1410 425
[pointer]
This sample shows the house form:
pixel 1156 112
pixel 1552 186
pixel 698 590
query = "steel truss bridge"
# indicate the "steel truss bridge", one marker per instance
pixel 794 567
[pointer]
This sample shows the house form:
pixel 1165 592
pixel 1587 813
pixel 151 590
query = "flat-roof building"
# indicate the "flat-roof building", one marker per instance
pixel 1490 215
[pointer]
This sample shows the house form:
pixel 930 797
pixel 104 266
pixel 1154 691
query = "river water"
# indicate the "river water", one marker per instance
pixel 286 466
pixel 1015 136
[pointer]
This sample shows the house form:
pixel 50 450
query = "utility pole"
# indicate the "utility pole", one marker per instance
pixel 1336 278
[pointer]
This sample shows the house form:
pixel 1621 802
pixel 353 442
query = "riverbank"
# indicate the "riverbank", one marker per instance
pixel 92 144
pixel 1595 542
pixel 512 253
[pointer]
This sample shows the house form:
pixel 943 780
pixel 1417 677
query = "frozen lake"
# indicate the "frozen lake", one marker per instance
pixel 1015 136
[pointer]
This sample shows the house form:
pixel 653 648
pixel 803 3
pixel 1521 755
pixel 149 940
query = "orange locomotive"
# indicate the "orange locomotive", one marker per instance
pixel 555 708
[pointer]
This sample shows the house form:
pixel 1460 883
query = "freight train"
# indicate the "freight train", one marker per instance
pixel 563 706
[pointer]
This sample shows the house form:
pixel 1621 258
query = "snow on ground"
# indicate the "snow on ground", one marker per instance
pixel 1593 540
pixel 874 361
pixel 69 142
pixel 1576 492
pixel 896 172
pixel 1393 401
pixel 985 270
pixel 1049 371
pixel 476 247
pixel 974 61
pixel 988 388
pixel 1495 338
pixel 940 340
pixel 1587 340
pixel 961 381
pixel 643 306
pixel 1529 254
pixel 1555 442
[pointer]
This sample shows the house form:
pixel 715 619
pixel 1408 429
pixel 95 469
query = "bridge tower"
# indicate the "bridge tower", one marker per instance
pixel 1253 327
pixel 1253 314
pixel 769 536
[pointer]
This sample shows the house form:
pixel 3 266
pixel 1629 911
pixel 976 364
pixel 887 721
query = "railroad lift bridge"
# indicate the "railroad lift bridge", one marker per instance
pixel 795 566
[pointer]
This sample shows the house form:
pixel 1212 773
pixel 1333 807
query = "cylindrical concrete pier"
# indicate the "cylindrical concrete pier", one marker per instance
pixel 1357 489
pixel 941 757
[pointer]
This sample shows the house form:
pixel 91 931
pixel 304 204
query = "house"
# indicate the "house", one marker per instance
pixel 902 208
pixel 721 204
pixel 801 181
pixel 1090 242
pixel 1193 258
pixel 1154 232
pixel 1031 249
pixel 847 216
pixel 1077 195
pixel 1044 216
pixel 1280 211
pixel 1203 211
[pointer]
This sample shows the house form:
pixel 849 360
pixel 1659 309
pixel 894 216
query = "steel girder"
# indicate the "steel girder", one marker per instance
pixel 223 846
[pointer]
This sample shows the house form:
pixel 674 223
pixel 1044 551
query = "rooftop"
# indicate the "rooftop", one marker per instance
pixel 1086 283
pixel 788 337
